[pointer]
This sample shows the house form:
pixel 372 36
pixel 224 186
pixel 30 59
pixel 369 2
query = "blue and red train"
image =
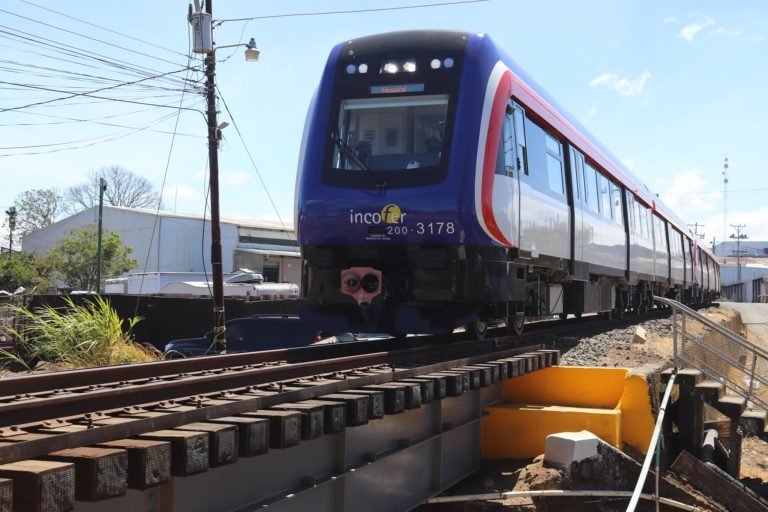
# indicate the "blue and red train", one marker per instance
pixel 438 186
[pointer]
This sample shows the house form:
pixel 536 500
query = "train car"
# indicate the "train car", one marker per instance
pixel 439 186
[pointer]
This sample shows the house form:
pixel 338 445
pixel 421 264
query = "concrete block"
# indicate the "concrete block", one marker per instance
pixel 641 336
pixel 519 431
pixel 563 448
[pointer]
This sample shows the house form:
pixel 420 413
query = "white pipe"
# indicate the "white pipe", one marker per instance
pixel 651 446
pixel 558 493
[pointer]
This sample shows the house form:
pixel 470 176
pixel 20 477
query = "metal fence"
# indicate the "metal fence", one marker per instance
pixel 721 354
pixel 7 323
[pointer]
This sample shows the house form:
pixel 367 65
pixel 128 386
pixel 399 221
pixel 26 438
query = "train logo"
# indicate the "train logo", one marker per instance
pixel 391 214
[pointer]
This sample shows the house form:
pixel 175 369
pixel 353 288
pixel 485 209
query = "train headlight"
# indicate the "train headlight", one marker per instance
pixel 369 283
pixel 409 66
pixel 390 67
pixel 363 68
pixel 351 69
pixel 448 63
pixel 350 282
pixel 435 64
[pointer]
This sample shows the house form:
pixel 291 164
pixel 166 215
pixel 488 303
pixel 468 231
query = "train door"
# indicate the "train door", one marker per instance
pixel 515 162
pixel 576 164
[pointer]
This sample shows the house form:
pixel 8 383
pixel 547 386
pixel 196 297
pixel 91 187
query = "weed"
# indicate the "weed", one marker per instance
pixel 79 336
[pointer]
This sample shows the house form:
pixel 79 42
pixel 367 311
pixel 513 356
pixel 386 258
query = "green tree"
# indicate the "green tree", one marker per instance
pixel 25 270
pixel 74 258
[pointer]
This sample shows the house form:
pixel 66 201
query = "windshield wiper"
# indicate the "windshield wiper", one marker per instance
pixel 349 153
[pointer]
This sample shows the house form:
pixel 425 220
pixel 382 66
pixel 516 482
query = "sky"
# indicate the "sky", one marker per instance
pixel 671 88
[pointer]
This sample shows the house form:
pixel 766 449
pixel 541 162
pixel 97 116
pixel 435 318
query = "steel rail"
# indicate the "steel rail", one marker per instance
pixel 103 376
pixel 154 390
pixel 95 434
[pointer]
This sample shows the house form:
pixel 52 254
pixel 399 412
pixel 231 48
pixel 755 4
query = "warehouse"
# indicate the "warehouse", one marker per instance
pixel 177 242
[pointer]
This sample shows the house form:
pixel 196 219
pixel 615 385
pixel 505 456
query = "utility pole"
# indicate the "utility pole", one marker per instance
pixel 725 198
pixel 213 158
pixel 11 213
pixel 696 227
pixel 203 32
pixel 739 237
pixel 102 188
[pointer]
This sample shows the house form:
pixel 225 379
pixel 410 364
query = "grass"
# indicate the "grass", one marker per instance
pixel 81 336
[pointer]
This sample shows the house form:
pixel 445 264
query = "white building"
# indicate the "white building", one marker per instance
pixel 744 279
pixel 177 242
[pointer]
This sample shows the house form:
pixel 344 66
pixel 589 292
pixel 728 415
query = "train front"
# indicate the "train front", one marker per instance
pixel 384 202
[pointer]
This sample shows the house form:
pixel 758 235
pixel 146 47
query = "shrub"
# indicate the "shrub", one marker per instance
pixel 78 336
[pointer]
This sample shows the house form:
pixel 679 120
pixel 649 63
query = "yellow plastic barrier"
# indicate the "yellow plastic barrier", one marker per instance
pixel 612 403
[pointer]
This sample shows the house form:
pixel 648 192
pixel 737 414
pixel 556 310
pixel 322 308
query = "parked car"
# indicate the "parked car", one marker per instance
pixel 347 337
pixel 249 334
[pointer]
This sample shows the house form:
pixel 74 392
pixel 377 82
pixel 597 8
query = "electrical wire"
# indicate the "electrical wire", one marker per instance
pixel 291 235
pixel 54 47
pixel 72 95
pixel 90 38
pixel 351 11
pixel 70 75
pixel 68 120
pixel 102 28
pixel 120 136
pixel 162 188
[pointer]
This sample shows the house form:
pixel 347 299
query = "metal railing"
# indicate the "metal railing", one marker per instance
pixel 721 354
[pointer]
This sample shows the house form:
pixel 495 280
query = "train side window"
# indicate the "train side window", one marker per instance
pixel 501 167
pixel 555 164
pixel 520 139
pixel 618 218
pixel 575 161
pixel 590 188
pixel 643 232
pixel 508 142
pixel 661 240
pixel 605 198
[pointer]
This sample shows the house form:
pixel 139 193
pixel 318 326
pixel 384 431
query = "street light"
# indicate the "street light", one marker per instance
pixel 203 43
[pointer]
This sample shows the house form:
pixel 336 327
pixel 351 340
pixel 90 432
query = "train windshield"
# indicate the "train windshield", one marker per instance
pixel 390 134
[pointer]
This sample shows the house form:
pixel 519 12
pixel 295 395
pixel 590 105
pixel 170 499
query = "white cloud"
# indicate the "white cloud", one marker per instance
pixel 726 32
pixel 689 31
pixel 755 39
pixel 623 85
pixel 670 19
pixel 234 178
pixel 687 196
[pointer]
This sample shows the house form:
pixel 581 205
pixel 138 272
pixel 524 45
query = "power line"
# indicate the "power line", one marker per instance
pixel 53 46
pixel 75 120
pixel 120 136
pixel 90 94
pixel 90 38
pixel 352 11
pixel 69 120
pixel 103 28
pixel 250 157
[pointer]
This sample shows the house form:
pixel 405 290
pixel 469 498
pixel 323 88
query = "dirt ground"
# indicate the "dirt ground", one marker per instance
pixel 613 349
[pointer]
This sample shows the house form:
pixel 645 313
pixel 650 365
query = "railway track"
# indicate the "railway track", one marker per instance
pixel 48 414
